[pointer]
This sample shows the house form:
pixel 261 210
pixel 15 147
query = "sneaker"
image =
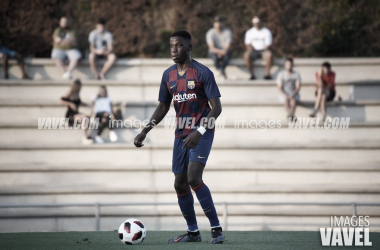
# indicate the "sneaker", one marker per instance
pixel 99 139
pixel 268 78
pixel 113 136
pixel 187 238
pixel 67 75
pixel 217 235
pixel 252 77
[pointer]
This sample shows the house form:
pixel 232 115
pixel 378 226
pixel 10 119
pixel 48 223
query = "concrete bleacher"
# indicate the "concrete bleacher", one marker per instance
pixel 245 165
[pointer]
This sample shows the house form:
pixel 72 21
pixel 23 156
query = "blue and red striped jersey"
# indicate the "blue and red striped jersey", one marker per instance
pixel 190 94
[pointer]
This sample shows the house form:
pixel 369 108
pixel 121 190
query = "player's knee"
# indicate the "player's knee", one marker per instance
pixel 194 181
pixel 181 187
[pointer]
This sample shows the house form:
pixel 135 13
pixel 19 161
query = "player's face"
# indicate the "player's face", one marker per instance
pixel 179 49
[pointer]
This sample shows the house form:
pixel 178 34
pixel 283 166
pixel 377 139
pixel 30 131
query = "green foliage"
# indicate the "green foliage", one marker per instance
pixel 141 28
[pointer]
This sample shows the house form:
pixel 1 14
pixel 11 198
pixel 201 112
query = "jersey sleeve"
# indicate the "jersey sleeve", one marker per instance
pixel 91 37
pixel 209 84
pixel 164 94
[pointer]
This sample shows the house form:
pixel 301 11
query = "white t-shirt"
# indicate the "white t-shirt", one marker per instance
pixel 102 104
pixel 288 82
pixel 259 39
pixel 100 41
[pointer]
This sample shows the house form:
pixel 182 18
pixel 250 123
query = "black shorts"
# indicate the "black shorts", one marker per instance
pixel 330 96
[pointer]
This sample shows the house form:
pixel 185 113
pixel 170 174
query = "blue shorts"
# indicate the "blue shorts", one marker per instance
pixel 182 156
pixel 8 52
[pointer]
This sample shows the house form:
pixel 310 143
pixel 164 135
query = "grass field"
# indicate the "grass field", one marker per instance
pixel 158 240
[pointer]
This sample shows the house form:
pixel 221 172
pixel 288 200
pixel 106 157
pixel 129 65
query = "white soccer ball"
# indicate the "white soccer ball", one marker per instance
pixel 132 232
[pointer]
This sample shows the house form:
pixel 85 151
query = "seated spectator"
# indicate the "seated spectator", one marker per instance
pixel 65 46
pixel 289 84
pixel 258 42
pixel 72 101
pixel 219 40
pixel 103 110
pixel 325 89
pixel 7 54
pixel 101 41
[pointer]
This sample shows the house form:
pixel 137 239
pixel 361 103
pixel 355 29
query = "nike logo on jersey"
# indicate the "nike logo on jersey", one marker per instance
pixel 200 157
pixel 173 86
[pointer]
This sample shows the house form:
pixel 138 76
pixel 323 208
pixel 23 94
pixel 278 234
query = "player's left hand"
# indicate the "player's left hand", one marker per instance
pixel 192 140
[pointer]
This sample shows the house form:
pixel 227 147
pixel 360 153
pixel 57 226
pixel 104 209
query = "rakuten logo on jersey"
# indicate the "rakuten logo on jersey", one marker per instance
pixel 184 97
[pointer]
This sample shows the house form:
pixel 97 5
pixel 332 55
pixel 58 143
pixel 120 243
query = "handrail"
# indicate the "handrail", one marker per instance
pixel 98 205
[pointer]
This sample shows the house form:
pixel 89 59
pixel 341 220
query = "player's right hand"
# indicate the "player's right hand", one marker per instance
pixel 139 139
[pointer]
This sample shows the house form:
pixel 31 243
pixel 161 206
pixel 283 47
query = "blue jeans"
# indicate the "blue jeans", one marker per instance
pixel 220 63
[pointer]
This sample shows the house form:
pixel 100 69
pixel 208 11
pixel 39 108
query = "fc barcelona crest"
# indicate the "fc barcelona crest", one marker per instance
pixel 190 84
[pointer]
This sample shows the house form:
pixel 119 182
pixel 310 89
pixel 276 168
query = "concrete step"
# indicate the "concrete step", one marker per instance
pixel 27 115
pixel 161 136
pixel 162 156
pixel 328 194
pixel 173 210
pixel 111 223
pixel 150 181
pixel 347 69
pixel 237 92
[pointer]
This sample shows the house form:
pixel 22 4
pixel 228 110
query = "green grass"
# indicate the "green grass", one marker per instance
pixel 158 240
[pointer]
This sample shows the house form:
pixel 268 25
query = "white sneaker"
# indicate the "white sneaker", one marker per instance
pixel 67 75
pixel 113 136
pixel 99 139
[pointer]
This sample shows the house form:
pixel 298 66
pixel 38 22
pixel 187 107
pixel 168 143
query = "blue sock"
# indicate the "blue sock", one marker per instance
pixel 205 199
pixel 186 204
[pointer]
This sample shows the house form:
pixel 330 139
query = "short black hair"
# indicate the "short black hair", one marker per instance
pixel 289 59
pixel 182 33
pixel 327 65
pixel 102 21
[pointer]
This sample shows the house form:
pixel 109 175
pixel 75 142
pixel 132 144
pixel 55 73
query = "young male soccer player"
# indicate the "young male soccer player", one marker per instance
pixel 192 87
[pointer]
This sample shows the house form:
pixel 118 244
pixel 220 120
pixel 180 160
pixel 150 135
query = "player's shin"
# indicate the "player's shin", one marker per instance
pixel 186 204
pixel 207 204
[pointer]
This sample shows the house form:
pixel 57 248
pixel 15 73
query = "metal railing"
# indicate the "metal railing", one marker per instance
pixel 225 205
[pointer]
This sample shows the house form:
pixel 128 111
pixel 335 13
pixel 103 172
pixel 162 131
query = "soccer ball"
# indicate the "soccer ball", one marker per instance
pixel 132 232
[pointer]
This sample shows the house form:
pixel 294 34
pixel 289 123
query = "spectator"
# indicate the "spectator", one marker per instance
pixel 219 40
pixel 101 42
pixel 65 46
pixel 7 54
pixel 102 108
pixel 72 101
pixel 289 84
pixel 325 89
pixel 258 42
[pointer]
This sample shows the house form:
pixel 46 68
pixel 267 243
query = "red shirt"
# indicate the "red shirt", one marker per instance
pixel 327 80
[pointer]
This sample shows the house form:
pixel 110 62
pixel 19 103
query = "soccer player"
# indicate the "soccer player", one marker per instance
pixel 192 87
